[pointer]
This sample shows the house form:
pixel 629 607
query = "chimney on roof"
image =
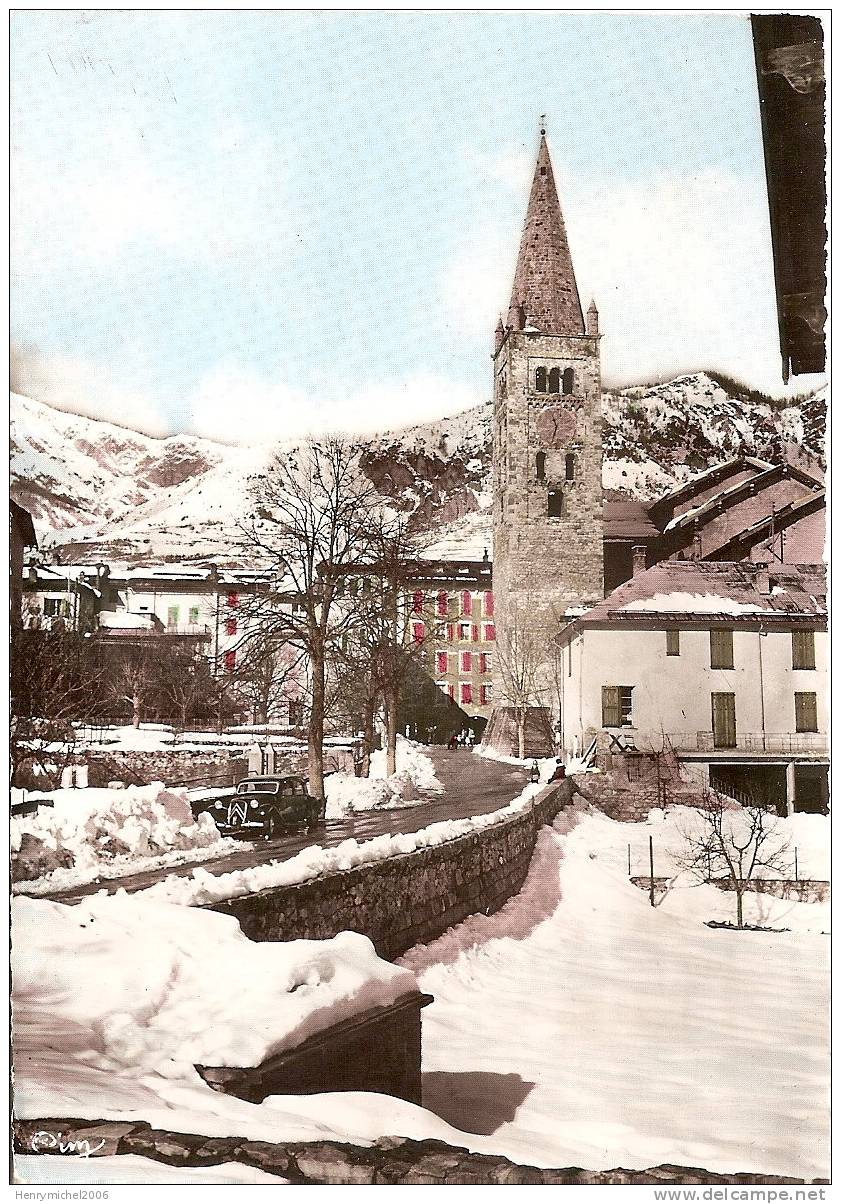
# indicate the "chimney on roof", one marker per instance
pixel 639 554
pixel 762 580
pixel 485 556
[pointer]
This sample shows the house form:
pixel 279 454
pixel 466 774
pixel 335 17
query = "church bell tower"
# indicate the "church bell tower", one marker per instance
pixel 547 461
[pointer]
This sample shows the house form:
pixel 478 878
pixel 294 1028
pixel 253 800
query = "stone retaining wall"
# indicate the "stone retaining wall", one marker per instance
pixel 804 890
pixel 411 898
pixel 388 1160
pixel 199 767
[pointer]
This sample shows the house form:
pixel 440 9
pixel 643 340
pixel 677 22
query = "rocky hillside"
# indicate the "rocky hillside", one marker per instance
pixel 98 490
pixel 662 434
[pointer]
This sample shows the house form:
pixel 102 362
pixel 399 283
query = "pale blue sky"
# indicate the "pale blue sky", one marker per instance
pixel 236 223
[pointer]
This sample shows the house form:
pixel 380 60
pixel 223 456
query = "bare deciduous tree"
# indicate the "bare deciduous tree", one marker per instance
pixel 268 672
pixel 521 655
pixel 55 678
pixel 313 513
pixel 134 679
pixel 734 842
pixel 388 638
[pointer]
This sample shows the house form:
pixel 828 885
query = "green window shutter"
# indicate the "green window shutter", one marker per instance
pixel 724 720
pixel 672 643
pixel 721 648
pixel 611 716
pixel 803 650
pixel 806 712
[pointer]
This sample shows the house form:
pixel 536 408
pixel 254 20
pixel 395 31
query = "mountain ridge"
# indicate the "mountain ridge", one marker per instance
pixel 99 490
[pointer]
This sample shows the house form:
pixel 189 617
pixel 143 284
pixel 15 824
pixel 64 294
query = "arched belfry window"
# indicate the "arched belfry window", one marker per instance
pixel 554 380
pixel 569 380
pixel 540 380
pixel 540 465
pixel 569 465
pixel 555 505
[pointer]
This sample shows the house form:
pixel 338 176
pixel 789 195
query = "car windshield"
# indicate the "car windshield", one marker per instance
pixel 258 788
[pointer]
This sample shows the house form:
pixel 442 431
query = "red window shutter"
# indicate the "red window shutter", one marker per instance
pixel 442 662
pixel 451 690
pixel 451 632
pixel 233 601
pixel 442 602
pixel 475 633
pixel 483 695
pixel 466 662
pixel 230 661
pixel 467 602
pixel 418 631
pixel 489 603
pixel 466 692
pixel 490 631
pixel 417 602
pixel 483 663
pixel 230 626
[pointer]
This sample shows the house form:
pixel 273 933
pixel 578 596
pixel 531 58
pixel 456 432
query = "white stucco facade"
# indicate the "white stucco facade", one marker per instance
pixel 671 695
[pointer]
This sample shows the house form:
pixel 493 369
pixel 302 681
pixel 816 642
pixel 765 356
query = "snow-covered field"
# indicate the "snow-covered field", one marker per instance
pixel 414 777
pixel 610 1033
pixel 577 1026
pixel 106 833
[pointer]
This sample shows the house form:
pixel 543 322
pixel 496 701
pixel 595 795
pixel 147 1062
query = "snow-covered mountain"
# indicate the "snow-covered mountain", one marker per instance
pixel 96 490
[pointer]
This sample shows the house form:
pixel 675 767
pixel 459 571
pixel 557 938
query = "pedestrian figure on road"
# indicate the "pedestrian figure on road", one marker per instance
pixel 559 772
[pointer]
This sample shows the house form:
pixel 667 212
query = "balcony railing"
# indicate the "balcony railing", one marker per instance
pixel 751 742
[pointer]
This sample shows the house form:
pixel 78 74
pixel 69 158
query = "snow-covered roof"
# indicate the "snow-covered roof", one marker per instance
pixel 692 590
pixel 727 495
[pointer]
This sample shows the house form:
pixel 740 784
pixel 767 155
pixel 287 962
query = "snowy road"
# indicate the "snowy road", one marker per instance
pixel 472 786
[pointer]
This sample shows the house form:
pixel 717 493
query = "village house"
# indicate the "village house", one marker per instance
pixel 198 607
pixel 62 597
pixel 724 664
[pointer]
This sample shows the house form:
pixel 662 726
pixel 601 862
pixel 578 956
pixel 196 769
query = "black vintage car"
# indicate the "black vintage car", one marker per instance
pixel 267 807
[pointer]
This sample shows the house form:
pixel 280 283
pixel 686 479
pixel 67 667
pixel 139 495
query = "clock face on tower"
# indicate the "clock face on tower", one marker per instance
pixel 556 426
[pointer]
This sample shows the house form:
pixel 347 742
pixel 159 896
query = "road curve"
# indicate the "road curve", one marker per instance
pixel 472 786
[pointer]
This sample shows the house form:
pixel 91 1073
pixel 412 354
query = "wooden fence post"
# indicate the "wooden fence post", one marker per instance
pixel 651 869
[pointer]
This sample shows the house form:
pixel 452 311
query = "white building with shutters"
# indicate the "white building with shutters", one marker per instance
pixel 724 663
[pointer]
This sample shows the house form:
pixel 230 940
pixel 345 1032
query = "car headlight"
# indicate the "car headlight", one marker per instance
pixel 253 805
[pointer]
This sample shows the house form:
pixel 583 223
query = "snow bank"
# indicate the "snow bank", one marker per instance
pixel 313 862
pixel 546 765
pixel 650 1038
pixel 129 1168
pixel 100 833
pixel 143 979
pixel 415 776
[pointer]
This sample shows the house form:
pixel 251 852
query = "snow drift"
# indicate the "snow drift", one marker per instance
pixel 415 776
pixel 93 833
pixel 142 980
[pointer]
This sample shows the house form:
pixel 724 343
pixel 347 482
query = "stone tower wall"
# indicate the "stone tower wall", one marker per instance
pixel 543 564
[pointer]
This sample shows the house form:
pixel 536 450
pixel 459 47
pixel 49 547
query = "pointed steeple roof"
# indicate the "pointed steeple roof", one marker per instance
pixel 544 282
